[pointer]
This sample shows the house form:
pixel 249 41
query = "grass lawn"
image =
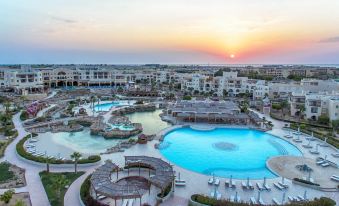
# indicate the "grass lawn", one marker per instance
pixel 47 181
pixel 5 174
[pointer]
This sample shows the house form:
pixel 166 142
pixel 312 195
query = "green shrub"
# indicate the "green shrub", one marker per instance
pixel 24 115
pixel 5 173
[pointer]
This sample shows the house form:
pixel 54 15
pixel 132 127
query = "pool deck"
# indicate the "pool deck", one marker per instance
pixel 195 182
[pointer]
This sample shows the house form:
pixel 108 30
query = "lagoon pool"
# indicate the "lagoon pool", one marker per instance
pixel 104 107
pixel 224 152
pixel 65 143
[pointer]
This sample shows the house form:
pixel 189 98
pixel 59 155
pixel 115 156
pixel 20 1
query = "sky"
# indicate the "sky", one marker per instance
pixel 169 32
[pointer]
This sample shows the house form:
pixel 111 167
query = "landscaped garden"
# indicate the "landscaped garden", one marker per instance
pixel 11 176
pixel 56 185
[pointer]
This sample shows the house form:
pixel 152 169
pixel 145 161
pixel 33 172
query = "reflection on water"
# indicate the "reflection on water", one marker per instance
pixel 151 122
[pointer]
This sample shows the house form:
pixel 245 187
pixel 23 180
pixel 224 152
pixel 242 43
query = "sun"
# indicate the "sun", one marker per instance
pixel 232 56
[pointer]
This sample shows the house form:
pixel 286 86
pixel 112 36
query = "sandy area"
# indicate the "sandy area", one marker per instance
pixel 286 166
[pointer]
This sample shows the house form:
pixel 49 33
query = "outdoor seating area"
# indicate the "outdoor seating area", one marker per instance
pixel 131 187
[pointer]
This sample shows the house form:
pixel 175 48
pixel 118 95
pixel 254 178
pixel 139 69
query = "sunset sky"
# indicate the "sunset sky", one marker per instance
pixel 176 31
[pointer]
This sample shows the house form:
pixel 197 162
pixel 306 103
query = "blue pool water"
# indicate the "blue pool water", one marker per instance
pixel 107 106
pixel 241 153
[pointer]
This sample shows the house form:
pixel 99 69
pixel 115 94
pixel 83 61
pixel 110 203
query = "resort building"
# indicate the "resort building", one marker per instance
pixel 23 81
pixel 226 112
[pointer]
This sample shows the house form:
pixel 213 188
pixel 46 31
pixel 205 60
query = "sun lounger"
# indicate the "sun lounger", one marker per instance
pixel 243 185
pixel 124 202
pixel 290 198
pixel 261 202
pixel 234 184
pixel 335 178
pixel 300 198
pixel 268 188
pixel 297 140
pixel 278 186
pixel 217 182
pixel 320 162
pixel 211 180
pixel 288 136
pixel 260 187
pixel 101 197
pixel 250 185
pixel 325 164
pixel 275 201
pixel 335 154
pixel 253 201
pixel 314 152
pixel 283 184
pixel 130 202
pixel 180 183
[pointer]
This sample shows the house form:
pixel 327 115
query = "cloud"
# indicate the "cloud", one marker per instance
pixel 330 40
pixel 64 20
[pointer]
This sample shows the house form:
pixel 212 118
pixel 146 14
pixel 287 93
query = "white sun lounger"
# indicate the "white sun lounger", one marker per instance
pixel 124 203
pixel 101 197
pixel 278 186
pixel 275 201
pixel 290 198
pixel 180 183
pixel 268 188
pixel 321 162
pixel 130 202
pixel 260 187
pixel 283 184
pixel 335 178
pixel 314 152
pixel 217 182
pixel 325 164
pixel 300 198
pixel 335 154
pixel 261 202
pixel 211 180
pixel 253 201
pixel 288 136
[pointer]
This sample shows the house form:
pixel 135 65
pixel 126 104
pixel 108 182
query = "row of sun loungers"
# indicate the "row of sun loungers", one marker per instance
pixel 214 181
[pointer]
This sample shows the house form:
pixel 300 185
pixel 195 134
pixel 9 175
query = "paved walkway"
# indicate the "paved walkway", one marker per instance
pixel 34 186
pixel 39 197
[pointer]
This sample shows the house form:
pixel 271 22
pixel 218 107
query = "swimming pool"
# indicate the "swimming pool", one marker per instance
pixel 65 143
pixel 224 152
pixel 107 106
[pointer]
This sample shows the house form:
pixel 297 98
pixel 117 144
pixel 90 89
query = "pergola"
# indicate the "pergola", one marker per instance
pixel 102 183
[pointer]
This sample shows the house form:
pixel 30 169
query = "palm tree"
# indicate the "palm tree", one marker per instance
pixel 301 111
pixel 76 156
pixel 59 182
pixel 284 105
pixel 48 161
pixel 7 104
pixel 92 99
